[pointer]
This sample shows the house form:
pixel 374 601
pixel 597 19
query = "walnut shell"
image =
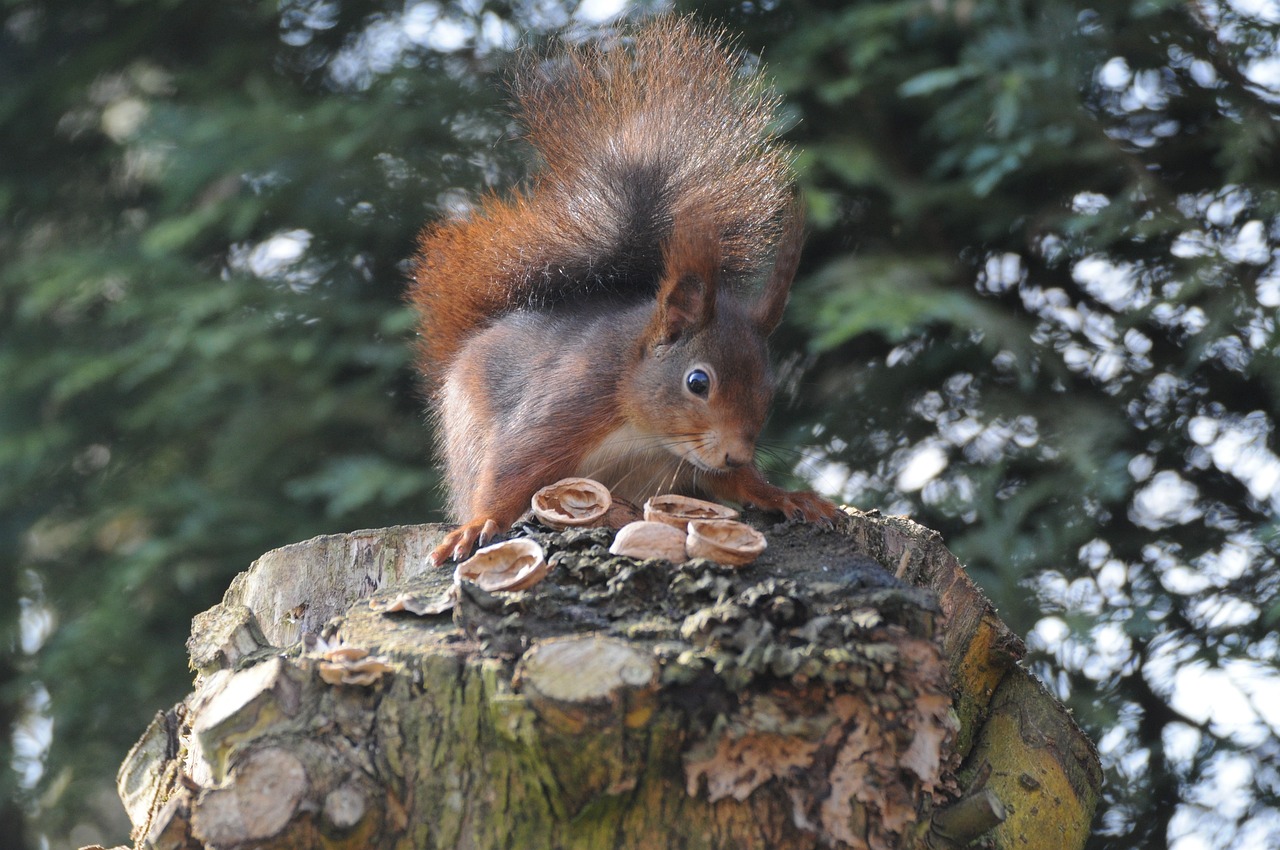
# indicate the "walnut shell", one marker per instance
pixel 424 604
pixel 511 565
pixel 724 541
pixel 363 672
pixel 350 665
pixel 678 511
pixel 572 502
pixel 650 540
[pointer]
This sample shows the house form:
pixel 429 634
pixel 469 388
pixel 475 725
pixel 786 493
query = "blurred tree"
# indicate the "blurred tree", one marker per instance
pixel 202 343
pixel 1037 314
pixel 1041 318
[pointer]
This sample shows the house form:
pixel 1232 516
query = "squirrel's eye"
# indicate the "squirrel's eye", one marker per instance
pixel 698 382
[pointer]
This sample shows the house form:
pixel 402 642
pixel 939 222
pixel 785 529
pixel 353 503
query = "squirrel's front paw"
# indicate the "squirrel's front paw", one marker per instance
pixel 809 507
pixel 462 541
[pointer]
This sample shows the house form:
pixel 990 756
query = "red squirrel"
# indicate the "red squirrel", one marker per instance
pixel 598 323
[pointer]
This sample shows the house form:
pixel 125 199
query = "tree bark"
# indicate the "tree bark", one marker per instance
pixel 851 688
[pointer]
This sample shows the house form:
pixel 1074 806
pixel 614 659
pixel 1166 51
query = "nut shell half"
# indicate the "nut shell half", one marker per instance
pixel 511 565
pixel 724 541
pixel 572 502
pixel 679 511
pixel 650 540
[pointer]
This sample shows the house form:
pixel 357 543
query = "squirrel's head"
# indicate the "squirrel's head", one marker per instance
pixel 704 384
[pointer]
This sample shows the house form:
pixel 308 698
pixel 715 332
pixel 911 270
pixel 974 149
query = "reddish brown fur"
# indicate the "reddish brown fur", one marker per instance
pixel 669 94
pixel 559 327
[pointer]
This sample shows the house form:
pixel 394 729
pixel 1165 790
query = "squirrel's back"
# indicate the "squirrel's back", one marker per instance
pixel 660 128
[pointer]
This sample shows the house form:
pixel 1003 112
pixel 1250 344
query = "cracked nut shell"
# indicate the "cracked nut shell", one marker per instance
pixel 572 502
pixel 679 511
pixel 511 565
pixel 724 541
pixel 650 540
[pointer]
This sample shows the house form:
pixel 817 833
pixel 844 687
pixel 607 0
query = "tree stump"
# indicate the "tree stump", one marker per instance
pixel 851 688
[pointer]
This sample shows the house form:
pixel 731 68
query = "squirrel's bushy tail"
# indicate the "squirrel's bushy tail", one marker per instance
pixel 661 126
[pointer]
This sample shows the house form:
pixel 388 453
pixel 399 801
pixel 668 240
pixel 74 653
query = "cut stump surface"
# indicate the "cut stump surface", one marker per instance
pixel 850 688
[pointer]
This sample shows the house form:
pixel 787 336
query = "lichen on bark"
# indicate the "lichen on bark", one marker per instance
pixel 808 698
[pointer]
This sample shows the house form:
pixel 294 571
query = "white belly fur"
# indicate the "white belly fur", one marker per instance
pixel 635 466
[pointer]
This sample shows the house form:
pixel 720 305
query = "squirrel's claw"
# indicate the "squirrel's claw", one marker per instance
pixel 747 486
pixel 464 540
pixel 807 506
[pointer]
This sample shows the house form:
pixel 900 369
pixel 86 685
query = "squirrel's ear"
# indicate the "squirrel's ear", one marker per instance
pixel 687 291
pixel 684 305
pixel 767 311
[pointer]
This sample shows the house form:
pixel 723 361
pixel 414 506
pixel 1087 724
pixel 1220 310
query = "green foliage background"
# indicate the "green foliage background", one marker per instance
pixel 1037 312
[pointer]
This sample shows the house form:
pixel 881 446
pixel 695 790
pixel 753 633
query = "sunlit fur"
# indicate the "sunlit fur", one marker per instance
pixel 631 134
pixel 556 326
